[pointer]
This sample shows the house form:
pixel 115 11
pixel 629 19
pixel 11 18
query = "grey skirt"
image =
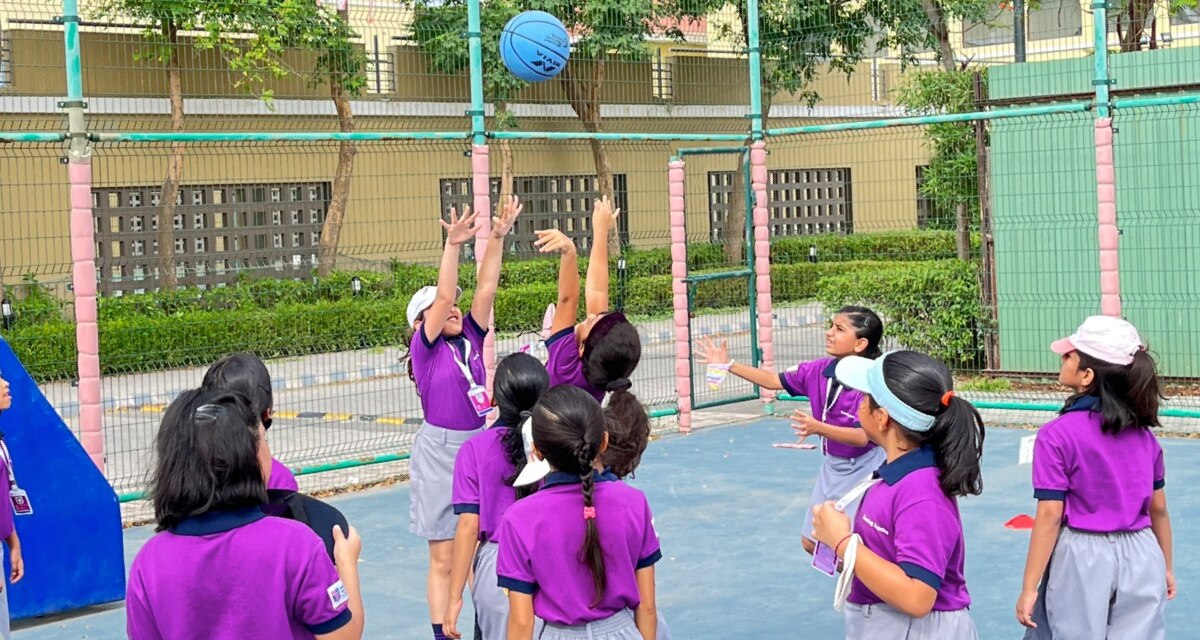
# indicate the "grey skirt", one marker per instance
pixel 836 478
pixel 883 622
pixel 1103 585
pixel 431 480
pixel 619 626
pixel 491 603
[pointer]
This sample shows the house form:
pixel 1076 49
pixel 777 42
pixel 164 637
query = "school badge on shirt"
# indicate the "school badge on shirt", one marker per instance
pixel 337 594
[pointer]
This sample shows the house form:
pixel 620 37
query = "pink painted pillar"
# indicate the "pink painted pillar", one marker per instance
pixel 87 336
pixel 683 361
pixel 1106 198
pixel 762 259
pixel 481 187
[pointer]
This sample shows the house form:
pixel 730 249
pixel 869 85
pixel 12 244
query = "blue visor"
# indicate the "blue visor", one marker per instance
pixel 866 375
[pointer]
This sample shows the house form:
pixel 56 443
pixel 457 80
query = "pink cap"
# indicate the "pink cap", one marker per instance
pixel 1105 338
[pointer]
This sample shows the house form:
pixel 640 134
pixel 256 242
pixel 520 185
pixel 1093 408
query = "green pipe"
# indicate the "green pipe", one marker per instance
pixel 994 114
pixel 721 403
pixel 700 151
pixel 636 137
pixel 351 464
pixel 243 136
pixel 1157 101
pixel 1030 406
pixel 724 275
pixel 26 136
pixel 132 496
pixel 70 20
pixel 755 54
pixel 1100 56
pixel 664 413
pixel 475 51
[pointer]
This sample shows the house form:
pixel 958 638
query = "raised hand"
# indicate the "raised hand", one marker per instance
pixel 711 352
pixel 604 216
pixel 507 211
pixel 553 241
pixel 460 228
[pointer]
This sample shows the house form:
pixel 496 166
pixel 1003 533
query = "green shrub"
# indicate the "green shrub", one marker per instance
pixel 891 245
pixel 933 307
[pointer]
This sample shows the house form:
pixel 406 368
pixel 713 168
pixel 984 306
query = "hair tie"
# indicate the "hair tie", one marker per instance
pixel 525 415
pixel 589 513
pixel 946 398
pixel 620 384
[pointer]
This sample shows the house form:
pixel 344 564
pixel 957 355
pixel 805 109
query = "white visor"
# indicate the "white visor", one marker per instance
pixel 535 468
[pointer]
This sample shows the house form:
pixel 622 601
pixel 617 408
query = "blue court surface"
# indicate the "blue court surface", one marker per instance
pixel 728 508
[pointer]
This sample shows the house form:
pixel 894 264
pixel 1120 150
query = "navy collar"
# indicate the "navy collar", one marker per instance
pixel 894 471
pixel 218 521
pixel 829 369
pixel 562 477
pixel 1083 403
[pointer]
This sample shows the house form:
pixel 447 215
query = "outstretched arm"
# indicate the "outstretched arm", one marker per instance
pixel 489 270
pixel 567 308
pixel 604 220
pixel 710 352
pixel 458 231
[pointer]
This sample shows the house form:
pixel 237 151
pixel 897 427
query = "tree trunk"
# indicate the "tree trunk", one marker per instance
pixel 937 24
pixel 165 235
pixel 1139 13
pixel 585 102
pixel 331 230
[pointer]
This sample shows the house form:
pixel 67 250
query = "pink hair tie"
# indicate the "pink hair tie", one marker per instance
pixel 589 513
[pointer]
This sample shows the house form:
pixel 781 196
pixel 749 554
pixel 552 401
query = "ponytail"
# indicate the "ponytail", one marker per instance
pixel 1129 395
pixel 520 381
pixel 584 455
pixel 514 452
pixel 628 433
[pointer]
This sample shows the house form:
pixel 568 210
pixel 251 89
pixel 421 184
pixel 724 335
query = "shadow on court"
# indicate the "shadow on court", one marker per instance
pixel 728 508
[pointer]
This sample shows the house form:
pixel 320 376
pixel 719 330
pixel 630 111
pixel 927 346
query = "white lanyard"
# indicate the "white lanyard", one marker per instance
pixel 462 362
pixel 857 492
pixel 12 477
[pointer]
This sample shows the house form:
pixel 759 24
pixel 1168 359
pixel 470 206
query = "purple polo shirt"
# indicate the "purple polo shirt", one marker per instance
pixel 234 574
pixel 540 541
pixel 815 380
pixel 905 518
pixel 1105 481
pixel 480 472
pixel 441 382
pixel 281 477
pixel 564 364
pixel 6 510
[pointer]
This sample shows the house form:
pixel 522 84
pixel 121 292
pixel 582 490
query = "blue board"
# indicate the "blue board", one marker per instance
pixel 72 543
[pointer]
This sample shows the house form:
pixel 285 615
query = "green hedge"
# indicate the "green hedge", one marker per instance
pixel 892 245
pixel 932 307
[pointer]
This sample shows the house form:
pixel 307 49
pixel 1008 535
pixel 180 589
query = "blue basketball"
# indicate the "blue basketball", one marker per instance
pixel 535 46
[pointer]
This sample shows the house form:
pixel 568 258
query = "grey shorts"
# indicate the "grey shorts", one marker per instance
pixel 836 478
pixel 431 479
pixel 491 603
pixel 1103 585
pixel 4 622
pixel 883 622
pixel 619 626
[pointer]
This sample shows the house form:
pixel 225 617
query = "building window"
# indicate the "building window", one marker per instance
pixel 381 72
pixel 6 66
pixel 550 202
pixel 803 202
pixel 220 231
pixel 995 28
pixel 1054 19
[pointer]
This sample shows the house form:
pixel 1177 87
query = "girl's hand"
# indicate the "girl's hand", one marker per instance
pixel 18 567
pixel 710 352
pixel 450 619
pixel 553 240
pixel 830 526
pixel 1170 583
pixel 604 217
pixel 1025 605
pixel 460 229
pixel 346 549
pixel 508 212
pixel 805 425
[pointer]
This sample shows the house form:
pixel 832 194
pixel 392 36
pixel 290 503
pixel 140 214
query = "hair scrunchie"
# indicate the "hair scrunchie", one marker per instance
pixel 620 384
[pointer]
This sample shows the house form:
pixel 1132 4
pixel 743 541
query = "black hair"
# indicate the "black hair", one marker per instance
pixel 1129 395
pixel 246 374
pixel 520 381
pixel 956 436
pixel 867 325
pixel 608 360
pixel 206 454
pixel 568 430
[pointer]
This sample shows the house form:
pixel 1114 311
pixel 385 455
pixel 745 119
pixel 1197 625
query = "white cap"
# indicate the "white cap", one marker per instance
pixel 422 300
pixel 1105 338
pixel 535 468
